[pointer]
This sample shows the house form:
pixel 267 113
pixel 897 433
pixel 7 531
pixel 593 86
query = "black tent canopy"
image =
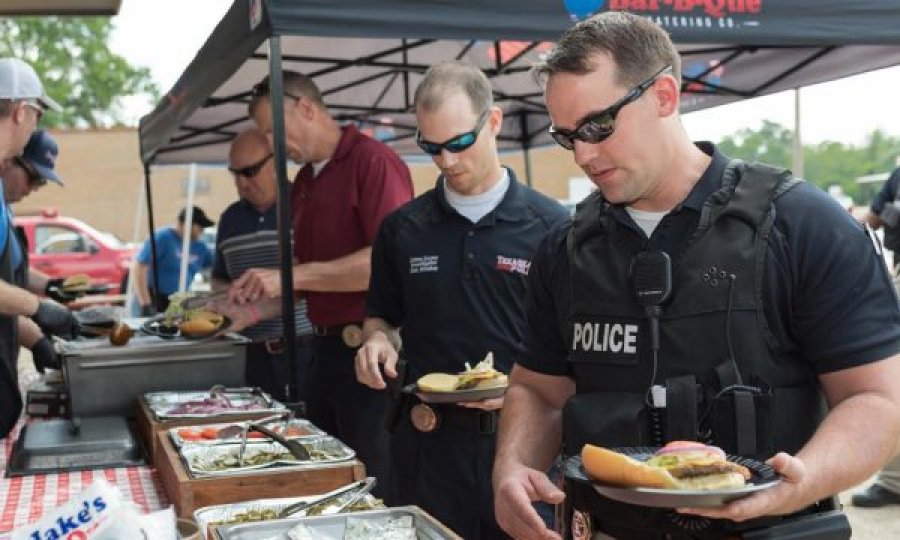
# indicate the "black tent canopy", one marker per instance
pixel 367 57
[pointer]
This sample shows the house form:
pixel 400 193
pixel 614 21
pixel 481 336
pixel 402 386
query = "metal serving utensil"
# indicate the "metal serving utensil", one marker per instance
pixel 295 447
pixel 303 505
pixel 370 484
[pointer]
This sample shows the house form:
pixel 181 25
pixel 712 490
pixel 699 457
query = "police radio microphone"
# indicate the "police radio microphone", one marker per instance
pixel 652 272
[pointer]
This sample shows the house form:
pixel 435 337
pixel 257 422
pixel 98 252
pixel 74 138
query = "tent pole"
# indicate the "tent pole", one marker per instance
pixel 152 227
pixel 187 228
pixel 283 204
pixel 526 145
pixel 797 166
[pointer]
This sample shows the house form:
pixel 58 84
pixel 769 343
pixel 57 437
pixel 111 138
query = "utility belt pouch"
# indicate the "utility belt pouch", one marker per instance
pixel 608 419
pixel 681 408
pixel 741 422
pixel 831 525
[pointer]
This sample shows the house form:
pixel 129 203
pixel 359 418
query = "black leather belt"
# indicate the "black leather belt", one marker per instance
pixel 350 333
pixel 279 345
pixel 428 418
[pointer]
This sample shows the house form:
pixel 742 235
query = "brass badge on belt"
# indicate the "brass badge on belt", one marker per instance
pixel 423 418
pixel 352 335
pixel 581 526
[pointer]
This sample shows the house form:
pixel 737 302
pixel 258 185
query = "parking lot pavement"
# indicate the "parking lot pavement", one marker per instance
pixel 871 523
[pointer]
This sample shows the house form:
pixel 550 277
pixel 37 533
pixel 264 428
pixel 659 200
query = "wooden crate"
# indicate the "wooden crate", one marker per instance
pixel 188 494
pixel 148 425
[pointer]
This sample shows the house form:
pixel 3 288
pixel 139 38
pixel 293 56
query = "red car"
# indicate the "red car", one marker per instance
pixel 63 246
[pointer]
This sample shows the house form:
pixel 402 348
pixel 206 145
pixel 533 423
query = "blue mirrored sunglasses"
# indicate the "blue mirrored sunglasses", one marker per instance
pixel 455 144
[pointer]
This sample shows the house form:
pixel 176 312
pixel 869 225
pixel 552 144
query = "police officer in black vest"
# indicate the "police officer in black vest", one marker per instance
pixel 449 271
pixel 778 333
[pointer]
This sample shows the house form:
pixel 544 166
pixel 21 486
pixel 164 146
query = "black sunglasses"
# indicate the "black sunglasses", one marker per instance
pixel 35 179
pixel 250 170
pixel 456 144
pixel 262 89
pixel 599 126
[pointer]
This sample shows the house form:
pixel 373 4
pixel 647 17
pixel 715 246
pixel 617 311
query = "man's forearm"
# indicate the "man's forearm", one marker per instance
pixel 530 431
pixel 346 274
pixel 29 332
pixel 856 438
pixel 139 275
pixel 37 281
pixel 16 301
pixel 375 324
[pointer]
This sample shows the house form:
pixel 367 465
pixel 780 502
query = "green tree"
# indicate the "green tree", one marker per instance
pixel 71 56
pixel 825 164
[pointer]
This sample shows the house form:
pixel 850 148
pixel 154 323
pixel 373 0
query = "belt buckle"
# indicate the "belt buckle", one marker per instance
pixel 352 335
pixel 424 418
pixel 320 331
pixel 275 346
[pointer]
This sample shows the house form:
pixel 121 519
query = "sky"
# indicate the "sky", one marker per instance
pixel 164 35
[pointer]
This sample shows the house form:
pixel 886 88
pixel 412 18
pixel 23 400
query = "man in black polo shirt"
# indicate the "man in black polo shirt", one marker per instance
pixel 775 303
pixel 247 238
pixel 448 271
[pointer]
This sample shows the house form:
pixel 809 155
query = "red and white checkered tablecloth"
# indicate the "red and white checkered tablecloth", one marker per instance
pixel 24 499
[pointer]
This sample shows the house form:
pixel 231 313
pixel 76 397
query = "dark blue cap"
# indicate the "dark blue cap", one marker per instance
pixel 41 153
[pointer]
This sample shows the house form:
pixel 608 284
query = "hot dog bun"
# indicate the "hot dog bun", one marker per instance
pixel 618 469
pixel 438 382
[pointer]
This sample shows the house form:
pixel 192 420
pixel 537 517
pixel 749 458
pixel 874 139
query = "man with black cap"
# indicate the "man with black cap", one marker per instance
pixel 155 297
pixel 21 175
pixel 22 103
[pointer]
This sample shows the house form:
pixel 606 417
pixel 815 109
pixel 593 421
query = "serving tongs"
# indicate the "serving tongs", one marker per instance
pixel 294 446
pixel 219 391
pixel 358 488
pixel 244 429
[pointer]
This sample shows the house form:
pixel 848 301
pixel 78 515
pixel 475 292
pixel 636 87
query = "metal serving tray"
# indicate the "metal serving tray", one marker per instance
pixel 309 431
pixel 196 458
pixel 163 402
pixel 266 509
pixel 334 527
pixel 105 380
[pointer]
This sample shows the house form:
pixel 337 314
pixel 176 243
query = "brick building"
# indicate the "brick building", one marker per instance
pixel 104 178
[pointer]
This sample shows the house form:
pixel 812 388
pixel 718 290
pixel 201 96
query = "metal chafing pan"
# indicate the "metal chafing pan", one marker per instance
pixel 267 509
pixel 310 432
pixel 105 380
pixel 163 402
pixel 198 459
pixel 334 527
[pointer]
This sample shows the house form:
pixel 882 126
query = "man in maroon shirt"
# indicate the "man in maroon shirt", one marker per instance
pixel 348 183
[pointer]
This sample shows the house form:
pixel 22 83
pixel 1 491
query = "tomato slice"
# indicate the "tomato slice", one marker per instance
pixel 210 433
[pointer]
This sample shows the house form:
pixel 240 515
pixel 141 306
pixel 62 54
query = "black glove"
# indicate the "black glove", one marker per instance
pixel 44 355
pixel 54 290
pixel 148 310
pixel 56 320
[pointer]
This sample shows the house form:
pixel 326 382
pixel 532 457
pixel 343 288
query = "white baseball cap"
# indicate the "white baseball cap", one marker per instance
pixel 19 81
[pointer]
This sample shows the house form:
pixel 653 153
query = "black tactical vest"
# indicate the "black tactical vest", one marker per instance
pixel 10 399
pixel 758 403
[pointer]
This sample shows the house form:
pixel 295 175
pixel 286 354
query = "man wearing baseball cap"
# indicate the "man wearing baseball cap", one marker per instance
pixel 155 297
pixel 22 103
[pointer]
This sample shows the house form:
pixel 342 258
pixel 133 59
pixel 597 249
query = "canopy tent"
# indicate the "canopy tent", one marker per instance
pixel 60 7
pixel 368 56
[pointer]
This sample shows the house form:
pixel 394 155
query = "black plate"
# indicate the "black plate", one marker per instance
pixel 763 477
pixel 457 396
pixel 154 327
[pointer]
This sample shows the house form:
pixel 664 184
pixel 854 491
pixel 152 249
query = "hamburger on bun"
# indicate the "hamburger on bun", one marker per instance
pixel 198 327
pixel 482 376
pixel 76 283
pixel 678 465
